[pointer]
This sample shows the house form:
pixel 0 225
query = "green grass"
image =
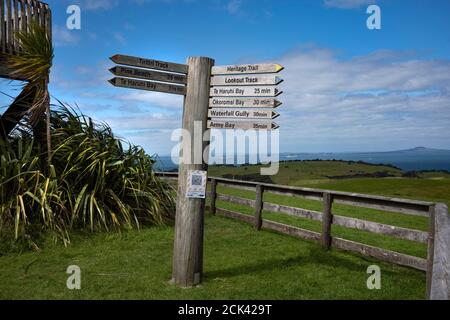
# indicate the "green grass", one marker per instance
pixel 240 263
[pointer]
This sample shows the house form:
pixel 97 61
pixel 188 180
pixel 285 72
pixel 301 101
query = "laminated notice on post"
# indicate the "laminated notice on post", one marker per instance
pixel 196 184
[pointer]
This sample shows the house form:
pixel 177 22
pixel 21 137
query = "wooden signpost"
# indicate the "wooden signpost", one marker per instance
pixel 240 97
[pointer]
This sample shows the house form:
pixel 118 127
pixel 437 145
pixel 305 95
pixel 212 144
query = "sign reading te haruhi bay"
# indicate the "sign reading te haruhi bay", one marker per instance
pixel 145 77
pixel 245 93
pixel 260 91
pixel 147 85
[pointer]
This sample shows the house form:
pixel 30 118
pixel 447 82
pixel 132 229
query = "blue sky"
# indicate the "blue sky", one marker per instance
pixel 346 88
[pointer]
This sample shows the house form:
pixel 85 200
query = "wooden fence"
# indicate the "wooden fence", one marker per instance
pixel 437 264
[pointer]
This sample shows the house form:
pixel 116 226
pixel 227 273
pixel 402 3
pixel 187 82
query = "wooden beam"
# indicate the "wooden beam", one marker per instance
pixel 296 212
pixel 327 220
pixel 440 284
pixel 2 27
pixel 291 231
pixel 213 196
pixel 259 207
pixel 189 220
pixel 430 249
pixel 235 215
pixel 381 254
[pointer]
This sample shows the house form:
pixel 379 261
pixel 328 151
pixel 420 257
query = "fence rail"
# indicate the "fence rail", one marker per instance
pixel 437 264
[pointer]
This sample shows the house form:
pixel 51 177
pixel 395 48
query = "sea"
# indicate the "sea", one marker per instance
pixel 417 159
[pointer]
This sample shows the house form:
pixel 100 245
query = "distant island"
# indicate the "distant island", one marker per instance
pixel 415 159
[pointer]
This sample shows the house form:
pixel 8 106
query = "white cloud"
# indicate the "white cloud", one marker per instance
pixel 62 36
pixel 348 4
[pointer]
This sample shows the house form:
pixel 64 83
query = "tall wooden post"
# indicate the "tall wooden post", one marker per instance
pixel 213 196
pixel 189 220
pixel 430 250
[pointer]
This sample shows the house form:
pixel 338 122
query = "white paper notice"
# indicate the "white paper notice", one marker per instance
pixel 196 184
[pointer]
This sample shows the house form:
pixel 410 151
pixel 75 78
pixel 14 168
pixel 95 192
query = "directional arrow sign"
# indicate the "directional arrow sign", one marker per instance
pixel 247 68
pixel 244 102
pixel 148 75
pixel 242 113
pixel 244 125
pixel 149 63
pixel 147 85
pixel 263 91
pixel 245 80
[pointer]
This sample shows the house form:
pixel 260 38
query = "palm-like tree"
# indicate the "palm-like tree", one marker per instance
pixel 33 63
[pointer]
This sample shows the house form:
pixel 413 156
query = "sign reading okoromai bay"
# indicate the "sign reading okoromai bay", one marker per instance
pixel 230 97
pixel 251 86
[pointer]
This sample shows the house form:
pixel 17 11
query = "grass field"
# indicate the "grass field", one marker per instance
pixel 240 263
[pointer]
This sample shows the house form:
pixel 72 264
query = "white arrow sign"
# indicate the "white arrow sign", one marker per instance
pixel 242 113
pixel 247 68
pixel 147 85
pixel 148 74
pixel 149 63
pixel 247 80
pixel 262 91
pixel 244 102
pixel 244 125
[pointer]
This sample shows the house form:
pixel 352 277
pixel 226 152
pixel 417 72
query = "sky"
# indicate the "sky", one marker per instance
pixel 346 88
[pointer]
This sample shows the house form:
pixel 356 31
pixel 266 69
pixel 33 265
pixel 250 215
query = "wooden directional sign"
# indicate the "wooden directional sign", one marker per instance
pixel 244 102
pixel 242 113
pixel 261 91
pixel 247 80
pixel 244 125
pixel 149 63
pixel 247 68
pixel 147 85
pixel 148 75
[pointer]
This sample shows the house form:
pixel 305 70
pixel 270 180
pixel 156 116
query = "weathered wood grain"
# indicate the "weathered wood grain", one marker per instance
pixel 213 196
pixel 291 231
pixel 221 113
pixel 243 102
pixel 150 64
pixel 259 207
pixel 243 125
pixel 148 74
pixel 189 221
pixel 3 36
pixel 236 200
pixel 245 91
pixel 430 249
pixel 379 228
pixel 247 80
pixel 440 284
pixel 148 86
pixel 327 220
pixel 297 212
pixel 247 69
pixel 381 254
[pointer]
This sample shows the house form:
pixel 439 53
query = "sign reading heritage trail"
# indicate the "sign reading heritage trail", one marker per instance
pixel 244 125
pixel 248 97
pixel 148 75
pixel 244 102
pixel 147 85
pixel 243 113
pixel 149 63
pixel 247 68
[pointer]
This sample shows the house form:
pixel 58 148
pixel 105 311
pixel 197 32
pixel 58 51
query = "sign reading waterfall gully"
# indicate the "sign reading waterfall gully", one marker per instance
pixel 217 102
pixel 242 113
pixel 247 68
pixel 260 91
pixel 244 125
pixel 148 75
pixel 247 80
pixel 147 85
pixel 149 63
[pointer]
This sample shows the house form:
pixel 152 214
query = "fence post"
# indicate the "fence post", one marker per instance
pixel 327 220
pixel 430 250
pixel 213 196
pixel 259 206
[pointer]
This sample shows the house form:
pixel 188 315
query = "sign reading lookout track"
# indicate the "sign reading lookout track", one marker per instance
pixel 245 93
